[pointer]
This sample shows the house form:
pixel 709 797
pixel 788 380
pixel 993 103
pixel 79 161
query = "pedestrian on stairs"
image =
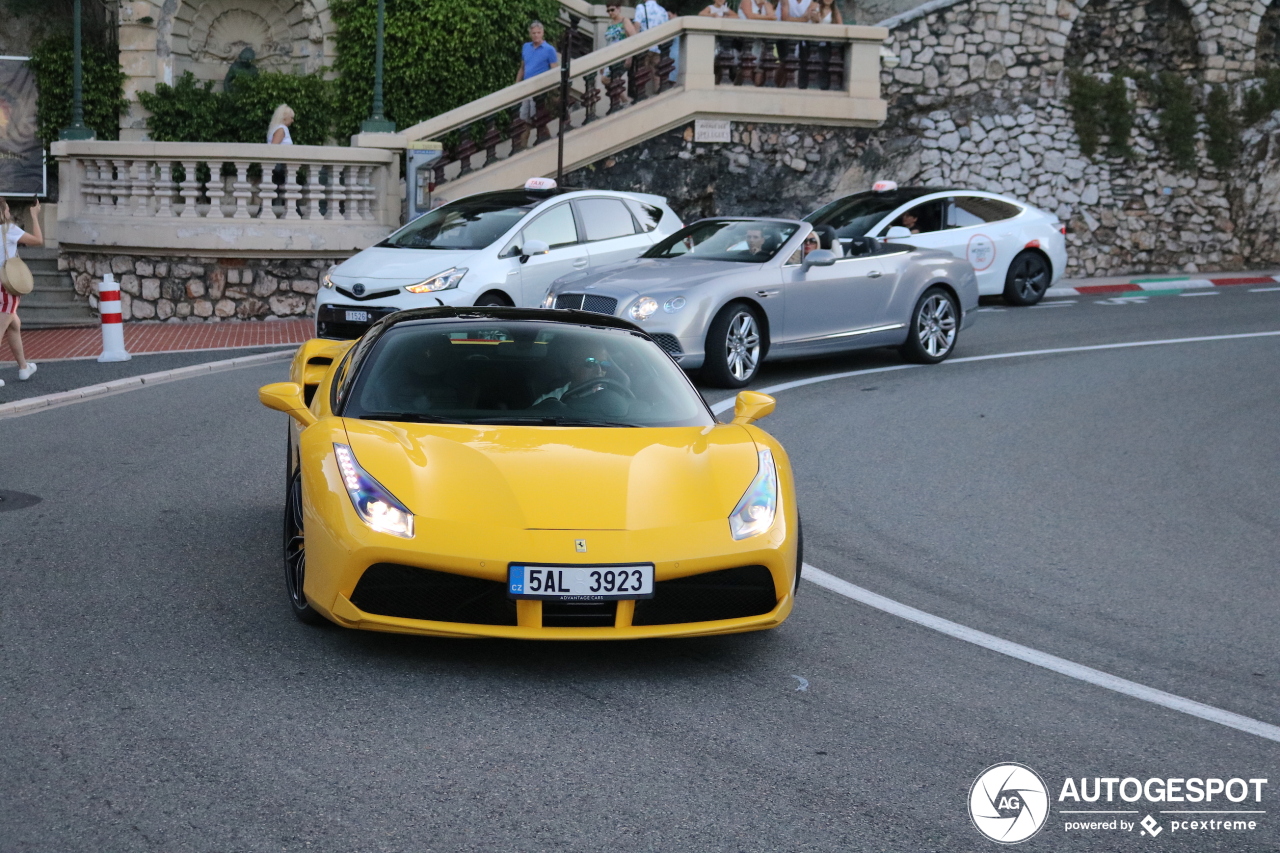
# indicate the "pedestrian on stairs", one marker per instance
pixel 10 327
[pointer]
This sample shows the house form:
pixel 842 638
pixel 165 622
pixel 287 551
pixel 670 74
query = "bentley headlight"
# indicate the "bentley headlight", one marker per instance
pixel 644 308
pixel 754 513
pixel 374 504
pixel 446 280
pixel 674 304
pixel 550 301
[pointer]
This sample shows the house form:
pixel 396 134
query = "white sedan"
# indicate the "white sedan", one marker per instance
pixel 497 248
pixel 1017 250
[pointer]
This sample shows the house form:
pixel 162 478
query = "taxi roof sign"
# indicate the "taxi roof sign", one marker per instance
pixel 884 186
pixel 540 184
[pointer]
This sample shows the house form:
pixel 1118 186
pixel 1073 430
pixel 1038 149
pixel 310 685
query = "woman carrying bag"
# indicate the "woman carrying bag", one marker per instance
pixel 15 281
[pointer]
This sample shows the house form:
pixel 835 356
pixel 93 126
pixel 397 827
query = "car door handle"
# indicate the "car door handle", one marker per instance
pixel 766 293
pixel 580 264
pixel 874 274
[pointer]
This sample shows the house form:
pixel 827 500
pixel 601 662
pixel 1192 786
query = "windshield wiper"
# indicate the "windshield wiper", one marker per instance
pixel 550 420
pixel 408 417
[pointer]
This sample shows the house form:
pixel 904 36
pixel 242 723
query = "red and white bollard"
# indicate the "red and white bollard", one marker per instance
pixel 112 323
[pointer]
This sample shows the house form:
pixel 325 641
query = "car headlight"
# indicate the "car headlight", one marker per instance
pixel 674 304
pixel 446 280
pixel 754 513
pixel 644 308
pixel 374 504
pixel 327 280
pixel 549 301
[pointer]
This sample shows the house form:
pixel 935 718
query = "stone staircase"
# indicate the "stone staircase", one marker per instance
pixel 53 302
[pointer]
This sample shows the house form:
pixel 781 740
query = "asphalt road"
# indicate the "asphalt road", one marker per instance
pixel 1115 507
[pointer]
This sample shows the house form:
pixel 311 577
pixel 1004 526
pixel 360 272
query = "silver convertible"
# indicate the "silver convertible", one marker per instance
pixel 723 294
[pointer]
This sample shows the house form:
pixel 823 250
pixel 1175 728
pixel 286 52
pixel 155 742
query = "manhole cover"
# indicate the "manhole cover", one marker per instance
pixel 10 501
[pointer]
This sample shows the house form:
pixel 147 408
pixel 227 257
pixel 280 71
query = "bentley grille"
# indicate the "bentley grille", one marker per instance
pixel 592 302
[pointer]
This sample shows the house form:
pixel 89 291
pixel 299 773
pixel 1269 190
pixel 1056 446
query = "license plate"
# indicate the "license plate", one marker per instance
pixel 357 316
pixel 580 583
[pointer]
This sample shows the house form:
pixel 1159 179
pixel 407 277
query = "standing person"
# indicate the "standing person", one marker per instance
pixel 10 325
pixel 620 27
pixel 278 130
pixel 649 15
pixel 825 12
pixel 804 12
pixel 717 9
pixel 757 10
pixel 537 56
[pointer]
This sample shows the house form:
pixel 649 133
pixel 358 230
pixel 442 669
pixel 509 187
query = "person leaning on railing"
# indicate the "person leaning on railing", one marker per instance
pixel 757 10
pixel 825 12
pixel 620 27
pixel 804 11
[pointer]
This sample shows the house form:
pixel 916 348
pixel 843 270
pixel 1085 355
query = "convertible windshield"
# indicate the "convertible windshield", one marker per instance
pixel 752 241
pixel 522 373
pixel 470 223
pixel 854 215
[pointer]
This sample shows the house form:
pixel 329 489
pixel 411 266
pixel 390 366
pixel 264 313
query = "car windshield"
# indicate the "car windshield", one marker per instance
pixel 855 215
pixel 470 223
pixel 751 242
pixel 522 372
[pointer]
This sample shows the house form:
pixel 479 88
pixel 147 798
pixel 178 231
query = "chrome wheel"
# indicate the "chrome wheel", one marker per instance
pixel 295 553
pixel 936 326
pixel 742 346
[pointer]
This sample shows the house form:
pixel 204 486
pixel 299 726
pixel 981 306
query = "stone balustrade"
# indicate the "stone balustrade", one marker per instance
pixel 225 199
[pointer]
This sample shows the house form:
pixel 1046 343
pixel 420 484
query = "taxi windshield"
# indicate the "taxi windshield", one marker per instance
pixel 522 373
pixel 750 241
pixel 856 215
pixel 467 224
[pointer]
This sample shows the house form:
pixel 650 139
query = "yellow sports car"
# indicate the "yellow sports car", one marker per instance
pixel 540 474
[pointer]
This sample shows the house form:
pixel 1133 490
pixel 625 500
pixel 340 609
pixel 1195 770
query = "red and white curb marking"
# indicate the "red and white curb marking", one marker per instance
pixel 1164 285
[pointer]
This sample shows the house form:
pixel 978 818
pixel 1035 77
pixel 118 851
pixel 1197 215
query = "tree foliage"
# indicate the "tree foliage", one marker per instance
pixel 438 55
pixel 102 87
pixel 191 111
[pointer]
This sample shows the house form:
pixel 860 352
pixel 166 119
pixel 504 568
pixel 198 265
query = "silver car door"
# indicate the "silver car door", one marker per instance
pixel 851 295
pixel 610 231
pixel 558 229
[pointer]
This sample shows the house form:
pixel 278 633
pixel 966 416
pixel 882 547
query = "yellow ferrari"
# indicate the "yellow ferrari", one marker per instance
pixel 539 474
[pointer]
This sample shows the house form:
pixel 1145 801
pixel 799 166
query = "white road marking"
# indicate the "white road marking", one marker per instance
pixel 804 684
pixel 1041 659
pixel 1203 293
pixel 1038 658
pixel 1263 289
pixel 1124 300
pixel 1059 303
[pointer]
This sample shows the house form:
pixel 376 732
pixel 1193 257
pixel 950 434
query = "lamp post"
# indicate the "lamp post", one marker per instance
pixel 566 51
pixel 77 129
pixel 377 122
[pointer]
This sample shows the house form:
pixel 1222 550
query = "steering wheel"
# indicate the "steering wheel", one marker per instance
pixel 591 386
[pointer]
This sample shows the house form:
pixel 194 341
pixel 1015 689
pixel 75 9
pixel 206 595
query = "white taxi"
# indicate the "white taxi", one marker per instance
pixel 496 248
pixel 1017 250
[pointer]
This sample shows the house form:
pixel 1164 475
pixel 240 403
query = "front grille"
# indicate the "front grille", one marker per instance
pixel 331 321
pixel 592 302
pixel 726 594
pixel 570 614
pixel 670 343
pixel 389 589
pixel 365 297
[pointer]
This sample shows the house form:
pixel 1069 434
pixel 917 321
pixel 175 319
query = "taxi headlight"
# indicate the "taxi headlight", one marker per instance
pixel 327 280
pixel 446 280
pixel 644 308
pixel 755 512
pixel 376 506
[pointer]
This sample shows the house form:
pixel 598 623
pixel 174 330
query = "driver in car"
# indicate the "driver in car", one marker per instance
pixel 591 379
pixel 755 241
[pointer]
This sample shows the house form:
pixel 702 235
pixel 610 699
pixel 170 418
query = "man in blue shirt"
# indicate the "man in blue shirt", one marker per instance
pixel 536 56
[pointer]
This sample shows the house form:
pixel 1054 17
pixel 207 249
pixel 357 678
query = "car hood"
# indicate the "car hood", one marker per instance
pixel 559 478
pixel 406 266
pixel 644 275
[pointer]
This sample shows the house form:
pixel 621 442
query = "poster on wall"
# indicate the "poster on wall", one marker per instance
pixel 22 166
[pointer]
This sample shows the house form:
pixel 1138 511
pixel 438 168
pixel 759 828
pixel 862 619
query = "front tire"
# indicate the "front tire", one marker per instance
pixel 295 554
pixel 935 324
pixel 493 299
pixel 1027 279
pixel 736 345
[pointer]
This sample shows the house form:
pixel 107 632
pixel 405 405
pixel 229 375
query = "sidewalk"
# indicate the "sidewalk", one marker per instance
pixel 1151 284
pixel 142 338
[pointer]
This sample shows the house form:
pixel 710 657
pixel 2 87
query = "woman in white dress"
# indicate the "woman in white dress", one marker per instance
pixel 278 132
pixel 10 326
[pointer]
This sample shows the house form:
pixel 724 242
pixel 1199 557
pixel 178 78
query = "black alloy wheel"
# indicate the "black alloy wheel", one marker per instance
pixel 492 299
pixel 295 554
pixel 935 323
pixel 1027 279
pixel 736 345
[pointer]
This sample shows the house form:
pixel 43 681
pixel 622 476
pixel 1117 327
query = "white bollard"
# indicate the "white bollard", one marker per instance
pixel 112 323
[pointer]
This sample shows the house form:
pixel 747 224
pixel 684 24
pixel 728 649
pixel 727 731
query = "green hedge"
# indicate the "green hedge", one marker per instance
pixel 191 111
pixel 102 87
pixel 439 54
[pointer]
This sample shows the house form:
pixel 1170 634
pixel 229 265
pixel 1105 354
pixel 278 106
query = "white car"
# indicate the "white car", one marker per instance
pixel 1017 250
pixel 498 248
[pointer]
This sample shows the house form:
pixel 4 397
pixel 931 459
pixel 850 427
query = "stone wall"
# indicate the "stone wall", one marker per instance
pixel 979 99
pixel 199 290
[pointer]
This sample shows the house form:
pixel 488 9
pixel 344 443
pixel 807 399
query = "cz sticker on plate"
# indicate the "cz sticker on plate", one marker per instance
pixel 580 583
pixel 357 316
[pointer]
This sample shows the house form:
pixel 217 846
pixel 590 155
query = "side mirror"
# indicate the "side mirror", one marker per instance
pixel 751 406
pixel 819 258
pixel 287 397
pixel 531 248
pixel 897 232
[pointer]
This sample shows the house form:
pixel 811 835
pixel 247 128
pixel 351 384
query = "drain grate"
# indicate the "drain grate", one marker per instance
pixel 10 501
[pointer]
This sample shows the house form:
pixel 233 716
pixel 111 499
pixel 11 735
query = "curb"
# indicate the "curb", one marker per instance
pixel 1162 285
pixel 132 383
